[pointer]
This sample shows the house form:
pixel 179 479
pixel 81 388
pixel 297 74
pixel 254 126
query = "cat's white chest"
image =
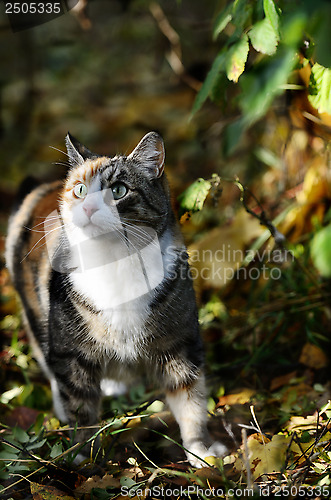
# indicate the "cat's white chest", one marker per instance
pixel 118 282
pixel 110 291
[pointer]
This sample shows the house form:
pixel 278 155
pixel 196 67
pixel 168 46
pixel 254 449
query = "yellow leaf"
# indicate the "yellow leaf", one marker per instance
pixel 264 458
pixel 316 188
pixel 270 457
pixel 215 258
pixel 52 423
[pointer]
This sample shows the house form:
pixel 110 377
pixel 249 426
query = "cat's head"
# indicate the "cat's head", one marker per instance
pixel 103 193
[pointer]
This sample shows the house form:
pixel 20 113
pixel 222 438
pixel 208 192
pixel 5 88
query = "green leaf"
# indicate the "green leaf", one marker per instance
pixel 293 28
pixel 128 482
pixel 241 14
pixel 232 135
pixel 4 474
pixel 271 14
pixel 322 36
pixel 18 467
pixel 236 58
pixel 56 450
pixel 263 37
pixel 9 455
pixel 20 435
pixel 210 82
pixel 261 85
pixel 268 157
pixel 321 251
pixel 320 88
pixel 193 198
pixel 39 423
pixel 36 444
pixel 222 20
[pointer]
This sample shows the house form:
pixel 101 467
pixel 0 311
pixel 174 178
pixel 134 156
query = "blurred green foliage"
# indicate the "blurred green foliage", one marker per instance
pixel 265 41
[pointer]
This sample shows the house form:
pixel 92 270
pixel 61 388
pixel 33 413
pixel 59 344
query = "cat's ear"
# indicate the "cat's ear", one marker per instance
pixel 77 152
pixel 150 153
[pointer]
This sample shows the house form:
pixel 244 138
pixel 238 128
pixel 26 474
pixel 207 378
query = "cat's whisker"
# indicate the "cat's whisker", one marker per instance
pixel 46 216
pixel 60 151
pixel 35 246
pixel 140 233
pixel 121 233
pixel 62 164
pixel 147 241
pixel 130 219
pixel 53 220
pixel 122 236
pixel 68 155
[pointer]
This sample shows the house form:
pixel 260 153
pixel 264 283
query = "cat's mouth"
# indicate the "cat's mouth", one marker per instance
pixel 91 229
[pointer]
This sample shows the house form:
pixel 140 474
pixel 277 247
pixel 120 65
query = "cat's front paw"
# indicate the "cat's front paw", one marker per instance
pixel 202 451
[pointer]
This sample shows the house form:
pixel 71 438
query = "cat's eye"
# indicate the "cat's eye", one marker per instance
pixel 119 190
pixel 80 190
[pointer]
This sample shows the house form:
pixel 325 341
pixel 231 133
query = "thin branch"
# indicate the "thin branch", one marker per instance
pixel 246 459
pixel 79 11
pixel 279 238
pixel 174 57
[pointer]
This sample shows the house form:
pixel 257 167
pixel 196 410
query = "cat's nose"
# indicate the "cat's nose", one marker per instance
pixel 89 210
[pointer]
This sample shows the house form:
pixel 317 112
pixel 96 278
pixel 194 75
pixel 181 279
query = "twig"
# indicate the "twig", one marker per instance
pixel 79 11
pixel 174 57
pixel 256 423
pixel 22 479
pixel 246 459
pixel 264 221
pixel 279 238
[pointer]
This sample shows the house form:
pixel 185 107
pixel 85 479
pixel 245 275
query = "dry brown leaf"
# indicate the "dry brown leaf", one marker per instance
pixel 303 423
pixel 22 416
pixel 313 356
pixel 282 380
pixel 238 398
pixel 97 482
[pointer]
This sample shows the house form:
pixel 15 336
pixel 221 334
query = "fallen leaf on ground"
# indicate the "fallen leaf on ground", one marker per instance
pixel 282 380
pixel 97 482
pixel 22 416
pixel 313 356
pixel 238 398
pixel 41 492
pixel 302 423
pixel 269 457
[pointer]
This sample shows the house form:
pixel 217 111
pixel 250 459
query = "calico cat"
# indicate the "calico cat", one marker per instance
pixel 101 270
